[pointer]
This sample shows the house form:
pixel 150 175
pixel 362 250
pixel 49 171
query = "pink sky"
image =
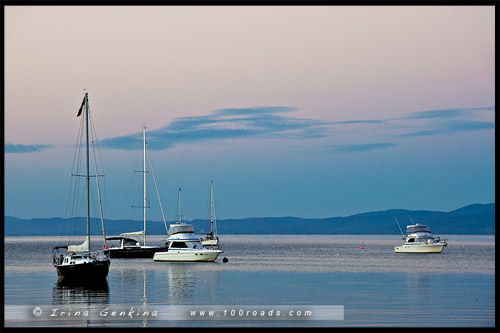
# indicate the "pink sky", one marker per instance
pixel 152 64
pixel 165 65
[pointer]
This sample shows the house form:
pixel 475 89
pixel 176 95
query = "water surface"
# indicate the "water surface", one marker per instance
pixel 375 286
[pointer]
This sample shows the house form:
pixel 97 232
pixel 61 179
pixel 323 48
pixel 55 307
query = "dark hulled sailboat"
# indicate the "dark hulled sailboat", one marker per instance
pixel 79 264
pixel 131 248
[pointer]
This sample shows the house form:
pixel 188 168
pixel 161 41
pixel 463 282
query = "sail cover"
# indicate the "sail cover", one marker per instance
pixel 80 248
pixel 136 233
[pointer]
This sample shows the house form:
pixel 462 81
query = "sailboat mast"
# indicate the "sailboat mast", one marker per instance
pixel 87 176
pixel 144 172
pixel 180 210
pixel 212 211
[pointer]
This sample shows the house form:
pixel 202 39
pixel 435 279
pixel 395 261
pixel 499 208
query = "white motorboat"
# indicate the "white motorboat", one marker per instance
pixel 419 239
pixel 184 246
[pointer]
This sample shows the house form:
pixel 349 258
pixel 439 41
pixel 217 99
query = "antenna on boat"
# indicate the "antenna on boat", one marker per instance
pixel 398 225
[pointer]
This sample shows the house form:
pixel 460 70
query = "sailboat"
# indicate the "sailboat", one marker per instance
pixel 79 264
pixel 211 238
pixel 184 245
pixel 130 247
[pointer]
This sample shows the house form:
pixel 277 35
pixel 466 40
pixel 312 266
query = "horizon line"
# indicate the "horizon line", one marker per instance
pixel 264 217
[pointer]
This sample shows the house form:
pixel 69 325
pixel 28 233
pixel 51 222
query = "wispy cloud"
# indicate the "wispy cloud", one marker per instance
pixel 446 113
pixel 233 123
pixel 453 127
pixel 415 124
pixel 359 148
pixel 277 122
pixel 448 121
pixel 352 122
pixel 10 148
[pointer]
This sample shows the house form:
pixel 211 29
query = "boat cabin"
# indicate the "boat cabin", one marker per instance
pixel 420 240
pixel 181 228
pixel 123 242
pixel 417 228
pixel 182 237
pixel 184 244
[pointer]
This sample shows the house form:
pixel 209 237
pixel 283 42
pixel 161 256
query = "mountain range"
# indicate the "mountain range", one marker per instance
pixel 476 219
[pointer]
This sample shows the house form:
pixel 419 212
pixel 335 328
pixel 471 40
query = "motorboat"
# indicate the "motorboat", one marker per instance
pixel 184 246
pixel 418 239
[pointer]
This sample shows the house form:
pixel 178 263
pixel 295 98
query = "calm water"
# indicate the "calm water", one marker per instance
pixel 374 286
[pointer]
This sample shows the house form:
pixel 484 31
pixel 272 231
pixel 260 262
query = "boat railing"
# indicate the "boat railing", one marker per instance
pixel 57 260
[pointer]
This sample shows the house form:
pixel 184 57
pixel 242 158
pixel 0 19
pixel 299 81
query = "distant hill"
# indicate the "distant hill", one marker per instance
pixel 476 219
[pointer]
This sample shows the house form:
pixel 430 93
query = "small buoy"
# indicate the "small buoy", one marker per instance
pixel 361 248
pixel 225 259
pixel 362 242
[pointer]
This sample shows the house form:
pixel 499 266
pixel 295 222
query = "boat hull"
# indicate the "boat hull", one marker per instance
pixel 425 248
pixel 95 270
pixel 137 252
pixel 187 256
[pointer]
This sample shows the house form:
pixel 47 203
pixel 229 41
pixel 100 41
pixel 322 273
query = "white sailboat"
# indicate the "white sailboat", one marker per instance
pixel 79 264
pixel 184 245
pixel 131 247
pixel 211 238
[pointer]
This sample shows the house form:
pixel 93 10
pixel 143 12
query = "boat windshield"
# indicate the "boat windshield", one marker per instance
pixel 411 229
pixel 129 242
pixel 179 245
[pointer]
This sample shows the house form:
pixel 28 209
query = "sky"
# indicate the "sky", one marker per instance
pixel 292 111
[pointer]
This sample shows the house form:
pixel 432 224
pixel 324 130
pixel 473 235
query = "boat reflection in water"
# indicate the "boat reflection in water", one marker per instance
pixel 76 304
pixel 67 292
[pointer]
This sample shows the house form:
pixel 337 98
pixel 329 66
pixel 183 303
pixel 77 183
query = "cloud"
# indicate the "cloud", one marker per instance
pixel 358 148
pixel 422 123
pixel 223 124
pixel 431 115
pixel 10 148
pixel 276 122
pixel 448 121
pixel 446 113
pixel 452 128
pixel 352 122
